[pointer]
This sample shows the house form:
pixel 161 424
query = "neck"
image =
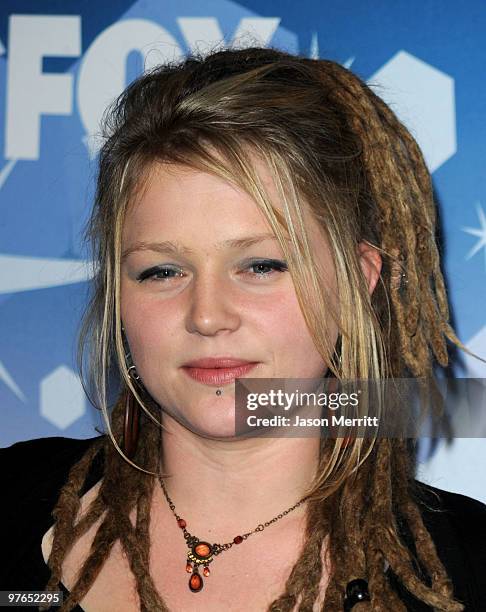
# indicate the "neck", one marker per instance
pixel 224 488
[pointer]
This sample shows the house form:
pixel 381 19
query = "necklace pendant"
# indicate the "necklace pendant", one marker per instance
pixel 200 553
pixel 195 581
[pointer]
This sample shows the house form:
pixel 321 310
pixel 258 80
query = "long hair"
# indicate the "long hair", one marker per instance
pixel 330 142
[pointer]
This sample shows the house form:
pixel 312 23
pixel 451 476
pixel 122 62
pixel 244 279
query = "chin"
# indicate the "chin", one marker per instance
pixel 218 430
pixel 209 421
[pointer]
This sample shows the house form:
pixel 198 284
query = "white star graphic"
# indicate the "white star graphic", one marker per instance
pixel 480 233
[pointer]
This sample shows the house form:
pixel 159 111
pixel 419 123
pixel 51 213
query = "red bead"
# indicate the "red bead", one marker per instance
pixel 195 583
pixel 182 523
pixel 206 571
pixel 188 568
pixel 238 540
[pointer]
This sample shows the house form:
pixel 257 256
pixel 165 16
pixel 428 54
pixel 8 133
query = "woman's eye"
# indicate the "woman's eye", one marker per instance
pixel 260 268
pixel 159 273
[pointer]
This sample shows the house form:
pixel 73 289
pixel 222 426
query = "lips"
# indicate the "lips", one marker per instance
pixel 217 370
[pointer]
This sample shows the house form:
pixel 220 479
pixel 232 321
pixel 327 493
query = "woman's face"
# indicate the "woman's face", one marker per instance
pixel 212 298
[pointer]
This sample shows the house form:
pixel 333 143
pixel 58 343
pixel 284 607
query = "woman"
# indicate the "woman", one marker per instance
pixel 270 214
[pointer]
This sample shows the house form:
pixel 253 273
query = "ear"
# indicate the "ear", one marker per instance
pixel 371 262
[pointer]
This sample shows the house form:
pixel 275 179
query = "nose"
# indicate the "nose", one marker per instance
pixel 212 306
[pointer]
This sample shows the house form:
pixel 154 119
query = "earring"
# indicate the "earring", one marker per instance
pixel 131 423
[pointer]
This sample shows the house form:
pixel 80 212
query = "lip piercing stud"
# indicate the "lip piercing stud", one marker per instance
pixel 218 392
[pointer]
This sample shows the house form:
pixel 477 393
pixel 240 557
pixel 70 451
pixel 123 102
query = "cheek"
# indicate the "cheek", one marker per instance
pixel 151 327
pixel 295 353
pixel 292 327
pixel 283 324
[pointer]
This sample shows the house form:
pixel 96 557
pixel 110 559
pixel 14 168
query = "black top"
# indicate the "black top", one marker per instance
pixel 34 471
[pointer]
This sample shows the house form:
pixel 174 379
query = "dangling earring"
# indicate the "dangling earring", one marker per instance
pixel 131 423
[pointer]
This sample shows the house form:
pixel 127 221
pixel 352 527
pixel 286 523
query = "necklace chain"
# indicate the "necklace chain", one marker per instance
pixel 218 548
pixel 202 552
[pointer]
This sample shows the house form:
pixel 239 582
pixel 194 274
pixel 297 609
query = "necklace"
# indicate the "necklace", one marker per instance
pixel 201 552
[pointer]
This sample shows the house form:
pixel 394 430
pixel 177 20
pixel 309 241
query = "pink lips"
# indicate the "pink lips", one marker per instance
pixel 217 370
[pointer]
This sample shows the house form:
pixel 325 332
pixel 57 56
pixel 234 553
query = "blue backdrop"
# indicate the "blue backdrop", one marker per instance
pixel 61 63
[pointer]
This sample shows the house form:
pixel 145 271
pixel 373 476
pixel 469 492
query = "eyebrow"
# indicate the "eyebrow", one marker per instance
pixel 173 248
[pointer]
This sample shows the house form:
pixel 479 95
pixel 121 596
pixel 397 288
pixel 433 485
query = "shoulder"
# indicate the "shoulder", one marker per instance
pixel 44 449
pixel 32 474
pixel 457 525
pixel 33 468
pixel 42 452
pixel 466 514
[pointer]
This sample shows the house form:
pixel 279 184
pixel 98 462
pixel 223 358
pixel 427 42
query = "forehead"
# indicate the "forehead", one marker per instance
pixel 180 202
pixel 169 183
